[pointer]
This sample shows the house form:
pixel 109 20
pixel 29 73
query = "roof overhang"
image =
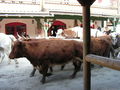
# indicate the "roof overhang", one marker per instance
pixel 30 15
pixel 80 14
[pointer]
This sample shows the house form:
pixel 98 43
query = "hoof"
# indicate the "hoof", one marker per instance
pixel 31 75
pixel 16 66
pixel 61 69
pixel 42 81
pixel 72 76
pixel 17 63
pixel 49 74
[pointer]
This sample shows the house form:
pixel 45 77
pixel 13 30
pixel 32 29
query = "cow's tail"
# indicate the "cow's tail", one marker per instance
pixel 117 51
pixel 79 59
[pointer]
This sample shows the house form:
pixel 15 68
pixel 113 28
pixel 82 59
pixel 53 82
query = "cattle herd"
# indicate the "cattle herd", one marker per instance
pixel 44 53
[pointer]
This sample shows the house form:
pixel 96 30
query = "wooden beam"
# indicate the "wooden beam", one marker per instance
pixel 103 61
pixel 68 17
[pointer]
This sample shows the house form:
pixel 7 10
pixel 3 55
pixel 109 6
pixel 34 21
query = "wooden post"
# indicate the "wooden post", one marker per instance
pixel 86 41
pixel 86 47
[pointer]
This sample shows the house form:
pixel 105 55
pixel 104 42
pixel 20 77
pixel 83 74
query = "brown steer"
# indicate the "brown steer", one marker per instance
pixel 45 53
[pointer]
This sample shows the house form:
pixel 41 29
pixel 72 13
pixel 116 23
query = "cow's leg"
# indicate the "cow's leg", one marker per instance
pixel 33 72
pixel 116 53
pixel 51 69
pixel 9 61
pixel 2 56
pixel 16 62
pixel 77 65
pixel 6 51
pixel 43 70
pixel 62 67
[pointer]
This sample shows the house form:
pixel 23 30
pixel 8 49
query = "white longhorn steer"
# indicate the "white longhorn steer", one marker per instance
pixel 6 43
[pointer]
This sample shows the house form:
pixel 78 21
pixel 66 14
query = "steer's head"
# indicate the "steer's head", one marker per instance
pixel 17 50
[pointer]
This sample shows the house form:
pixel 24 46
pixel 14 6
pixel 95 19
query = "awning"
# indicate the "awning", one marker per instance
pixel 58 23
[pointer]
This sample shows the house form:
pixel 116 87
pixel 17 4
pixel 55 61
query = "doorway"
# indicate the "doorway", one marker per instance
pixel 15 28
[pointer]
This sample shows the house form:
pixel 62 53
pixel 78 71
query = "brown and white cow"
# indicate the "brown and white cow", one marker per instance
pixel 45 53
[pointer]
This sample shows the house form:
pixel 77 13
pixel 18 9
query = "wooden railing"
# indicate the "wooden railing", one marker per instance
pixel 103 61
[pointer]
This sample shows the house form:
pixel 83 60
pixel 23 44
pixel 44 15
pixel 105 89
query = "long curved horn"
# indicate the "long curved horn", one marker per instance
pixel 24 37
